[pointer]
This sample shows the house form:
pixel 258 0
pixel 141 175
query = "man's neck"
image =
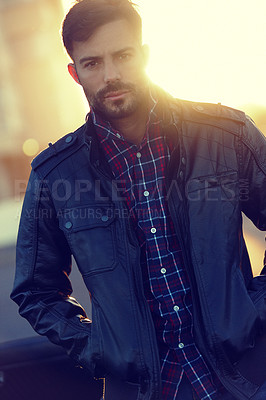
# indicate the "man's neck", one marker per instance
pixel 133 128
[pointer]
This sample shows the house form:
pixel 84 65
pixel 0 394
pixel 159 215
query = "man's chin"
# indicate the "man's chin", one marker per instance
pixel 124 107
pixel 117 110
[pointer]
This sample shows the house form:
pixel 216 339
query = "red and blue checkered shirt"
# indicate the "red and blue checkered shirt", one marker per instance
pixel 140 170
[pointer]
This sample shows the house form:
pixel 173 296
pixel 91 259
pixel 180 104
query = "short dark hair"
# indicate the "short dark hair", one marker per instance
pixel 87 15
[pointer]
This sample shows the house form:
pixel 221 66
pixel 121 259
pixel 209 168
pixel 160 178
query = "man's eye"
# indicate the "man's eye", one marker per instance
pixel 91 64
pixel 124 56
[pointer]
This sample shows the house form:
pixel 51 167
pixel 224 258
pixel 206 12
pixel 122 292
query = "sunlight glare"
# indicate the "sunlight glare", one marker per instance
pixel 210 50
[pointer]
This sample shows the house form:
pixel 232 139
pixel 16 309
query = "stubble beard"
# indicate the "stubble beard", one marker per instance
pixel 120 108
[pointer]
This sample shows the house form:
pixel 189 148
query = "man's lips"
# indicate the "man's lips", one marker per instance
pixel 116 94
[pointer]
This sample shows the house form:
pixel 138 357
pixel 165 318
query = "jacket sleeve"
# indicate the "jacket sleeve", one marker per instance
pixel 42 288
pixel 253 175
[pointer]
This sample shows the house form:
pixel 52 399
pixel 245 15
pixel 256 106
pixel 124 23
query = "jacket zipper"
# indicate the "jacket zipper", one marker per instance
pixel 177 225
pixel 153 342
pixel 143 302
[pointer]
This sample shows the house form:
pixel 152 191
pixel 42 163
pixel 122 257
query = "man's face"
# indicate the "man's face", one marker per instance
pixel 110 66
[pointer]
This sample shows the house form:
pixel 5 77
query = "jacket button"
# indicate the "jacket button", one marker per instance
pixel 104 218
pixel 69 139
pixel 68 225
pixel 183 160
pixel 199 108
pixel 181 174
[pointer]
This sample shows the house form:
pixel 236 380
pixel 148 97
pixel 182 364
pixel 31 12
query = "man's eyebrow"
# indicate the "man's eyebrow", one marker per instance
pixel 95 58
pixel 125 49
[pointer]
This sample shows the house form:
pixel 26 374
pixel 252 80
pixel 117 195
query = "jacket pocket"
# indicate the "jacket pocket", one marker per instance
pixel 221 186
pixel 90 232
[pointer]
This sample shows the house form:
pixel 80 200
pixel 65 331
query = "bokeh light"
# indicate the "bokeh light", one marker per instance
pixel 30 147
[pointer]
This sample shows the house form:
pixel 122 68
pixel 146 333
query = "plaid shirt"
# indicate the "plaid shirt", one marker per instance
pixel 141 173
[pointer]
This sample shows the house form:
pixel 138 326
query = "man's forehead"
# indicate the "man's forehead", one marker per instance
pixel 108 38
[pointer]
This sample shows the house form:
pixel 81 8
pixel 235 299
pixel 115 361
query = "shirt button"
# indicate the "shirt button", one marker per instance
pixel 176 308
pixel 153 230
pixel 183 160
pixel 138 154
pixel 146 193
pixel 163 271
pixel 118 135
pixel 181 345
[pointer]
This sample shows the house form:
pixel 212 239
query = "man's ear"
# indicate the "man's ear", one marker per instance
pixel 72 70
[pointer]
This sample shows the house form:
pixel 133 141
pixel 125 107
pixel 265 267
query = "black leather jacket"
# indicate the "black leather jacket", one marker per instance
pixel 73 207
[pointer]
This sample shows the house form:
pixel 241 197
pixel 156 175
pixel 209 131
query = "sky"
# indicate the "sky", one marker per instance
pixel 208 50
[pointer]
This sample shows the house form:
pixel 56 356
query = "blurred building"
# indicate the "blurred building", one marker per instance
pixel 38 100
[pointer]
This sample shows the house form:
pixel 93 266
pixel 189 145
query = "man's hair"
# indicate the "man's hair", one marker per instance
pixel 87 15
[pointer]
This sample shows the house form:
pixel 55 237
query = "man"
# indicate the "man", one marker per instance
pixel 147 196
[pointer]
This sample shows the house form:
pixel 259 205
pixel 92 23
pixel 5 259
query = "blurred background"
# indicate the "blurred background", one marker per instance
pixel 210 51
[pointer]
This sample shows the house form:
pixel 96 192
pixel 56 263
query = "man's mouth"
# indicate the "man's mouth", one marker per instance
pixel 116 95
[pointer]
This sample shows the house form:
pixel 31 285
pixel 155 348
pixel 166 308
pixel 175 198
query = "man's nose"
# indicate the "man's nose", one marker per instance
pixel 111 72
